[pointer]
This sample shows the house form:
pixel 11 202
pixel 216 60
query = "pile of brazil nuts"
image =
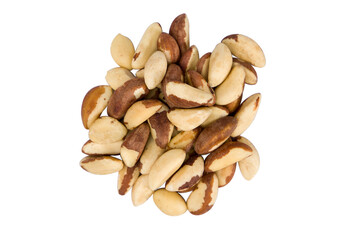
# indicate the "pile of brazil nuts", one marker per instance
pixel 175 119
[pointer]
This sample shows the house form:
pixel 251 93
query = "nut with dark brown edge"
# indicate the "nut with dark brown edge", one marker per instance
pixel 179 29
pixel 196 80
pixel 101 164
pixel 161 128
pixel 202 66
pixel 189 59
pixel 202 199
pixel 250 165
pixel 168 45
pixel 170 203
pixel 225 175
pixel 116 77
pixel 250 73
pixel 185 140
pixel 173 73
pixel 126 178
pixel 92 148
pixel 234 105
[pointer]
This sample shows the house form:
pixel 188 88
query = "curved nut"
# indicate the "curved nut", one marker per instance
pixel 101 164
pixel 250 73
pixel 94 103
pixel 188 119
pixel 122 50
pixel 234 105
pixel 141 111
pixel 150 154
pixel 141 192
pixel 184 140
pixel 92 148
pixel 219 65
pixel 170 203
pixel 168 45
pixel 216 113
pixel 179 29
pixel 126 179
pixel 225 175
pixel 250 165
pixel 161 128
pixel 107 130
pixel 155 69
pixel 116 77
pixel 196 80
pixel 202 66
pixel 189 59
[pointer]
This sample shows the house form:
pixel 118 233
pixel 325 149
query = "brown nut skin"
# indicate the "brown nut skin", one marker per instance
pixel 250 73
pixel 202 66
pixel 116 77
pixel 173 73
pixel 234 105
pixel 226 174
pixel 216 113
pixel 101 164
pixel 215 134
pixel 189 59
pixel 168 45
pixel 125 96
pixel 196 80
pixel 94 103
pixel 161 128
pixel 185 140
pixel 126 178
pixel 179 29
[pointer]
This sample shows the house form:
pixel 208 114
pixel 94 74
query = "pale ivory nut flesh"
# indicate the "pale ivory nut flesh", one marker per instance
pixel 94 103
pixel 202 66
pixel 245 49
pixel 250 73
pixel 141 192
pixel 168 45
pixel 250 165
pixel 179 29
pixel 184 140
pixel 101 164
pixel 225 175
pixel 216 113
pixel 141 111
pixel 150 154
pixel 219 65
pixel 165 166
pixel 246 114
pixel 147 46
pixel 170 203
pixel 122 51
pixel 92 148
pixel 126 178
pixel 155 69
pixel 196 80
pixel 116 77
pixel 188 119
pixel 107 130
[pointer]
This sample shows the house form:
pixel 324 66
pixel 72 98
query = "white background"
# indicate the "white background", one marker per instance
pixel 307 128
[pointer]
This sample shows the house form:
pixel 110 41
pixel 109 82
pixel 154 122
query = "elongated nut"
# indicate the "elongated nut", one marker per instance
pixel 250 165
pixel 134 144
pixel 161 128
pixel 155 69
pixel 170 203
pixel 202 66
pixel 141 111
pixel 234 105
pixel 116 77
pixel 126 179
pixel 122 50
pixel 107 130
pixel 150 154
pixel 101 164
pixel 125 96
pixel 245 49
pixel 179 29
pixel 232 87
pixel 215 134
pixel 141 192
pixel 165 166
pixel 187 176
pixel 250 73
pixel 185 140
pixel 246 113
pixel 188 119
pixel 94 103
pixel 202 199
pixel 196 80
pixel 216 113
pixel 168 45
pixel 189 59
pixel 92 148
pixel 219 65
pixel 225 175
pixel 226 155
pixel 147 46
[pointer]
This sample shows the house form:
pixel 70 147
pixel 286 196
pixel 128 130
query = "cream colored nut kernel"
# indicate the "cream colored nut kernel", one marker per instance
pixel 101 164
pixel 246 113
pixel 245 49
pixel 189 59
pixel 234 105
pixel 184 140
pixel 216 113
pixel 187 176
pixel 116 77
pixel 126 179
pixel 225 175
pixel 161 128
pixel 250 165
pixel 92 148
pixel 250 73
pixel 188 119
pixel 150 154
pixel 202 199
pixel 141 192
pixel 155 69
pixel 94 103
pixel 170 203
pixel 141 111
pixel 232 87
pixel 168 45
pixel 147 46
pixel 202 66
pixel 165 166
pixel 196 80
pixel 140 73
pixel 219 65
pixel 226 155
pixel 122 50
pixel 179 29
pixel 107 130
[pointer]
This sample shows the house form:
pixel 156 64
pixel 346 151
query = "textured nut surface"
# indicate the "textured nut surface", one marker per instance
pixel 168 45
pixel 202 199
pixel 141 192
pixel 219 64
pixel 189 59
pixel 179 29
pixel 101 164
pixel 225 175
pixel 155 69
pixel 226 155
pixel 122 50
pixel 202 66
pixel 161 128
pixel 170 203
pixel 92 148
pixel 151 153
pixel 126 178
pixel 134 144
pixel 141 111
pixel 216 113
pixel 250 73
pixel 125 96
pixel 116 77
pixel 147 46
pixel 232 87
pixel 107 130
pixel 188 175
pixel 165 166
pixel 188 119
pixel 184 140
pixel 94 103
pixel 246 113
pixel 250 165
pixel 215 134
pixel 234 105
